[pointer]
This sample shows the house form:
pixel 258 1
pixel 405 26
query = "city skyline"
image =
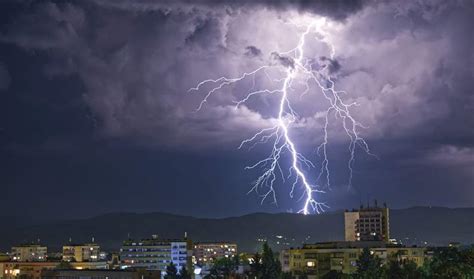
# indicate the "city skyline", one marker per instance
pixel 367 239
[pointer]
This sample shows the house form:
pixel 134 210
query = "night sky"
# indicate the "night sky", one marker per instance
pixel 96 116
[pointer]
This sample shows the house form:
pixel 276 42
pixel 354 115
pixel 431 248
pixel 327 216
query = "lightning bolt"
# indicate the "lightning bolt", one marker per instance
pixel 296 66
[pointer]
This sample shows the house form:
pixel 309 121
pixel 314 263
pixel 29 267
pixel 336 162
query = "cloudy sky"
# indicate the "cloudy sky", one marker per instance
pixel 97 115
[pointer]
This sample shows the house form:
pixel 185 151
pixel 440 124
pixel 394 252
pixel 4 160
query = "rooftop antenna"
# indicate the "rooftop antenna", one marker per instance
pixel 185 235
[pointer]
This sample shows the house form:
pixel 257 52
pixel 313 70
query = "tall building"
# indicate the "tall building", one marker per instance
pixel 367 224
pixel 88 252
pixel 156 253
pixel 207 252
pixel 29 253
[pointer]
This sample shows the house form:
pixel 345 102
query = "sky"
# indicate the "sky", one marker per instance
pixel 97 115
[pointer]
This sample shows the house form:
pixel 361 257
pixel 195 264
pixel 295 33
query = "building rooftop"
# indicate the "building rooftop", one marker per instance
pixel 151 241
pixel 81 244
pixel 349 244
pixel 369 207
pixel 28 245
pixel 215 242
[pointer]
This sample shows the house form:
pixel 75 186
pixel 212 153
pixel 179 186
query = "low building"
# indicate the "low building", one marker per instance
pixel 315 260
pixel 32 270
pixel 29 253
pixel 208 252
pixel 156 254
pixel 88 252
pixel 4 257
pixel 100 274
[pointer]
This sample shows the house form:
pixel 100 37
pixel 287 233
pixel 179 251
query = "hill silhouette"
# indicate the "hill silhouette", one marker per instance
pixel 413 226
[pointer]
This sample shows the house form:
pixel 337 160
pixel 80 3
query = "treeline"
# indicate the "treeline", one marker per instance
pixel 445 263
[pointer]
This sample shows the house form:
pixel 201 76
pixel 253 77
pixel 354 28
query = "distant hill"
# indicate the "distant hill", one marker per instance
pixel 435 225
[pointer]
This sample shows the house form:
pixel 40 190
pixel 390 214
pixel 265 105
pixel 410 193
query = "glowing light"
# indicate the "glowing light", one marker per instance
pixel 197 270
pixel 297 67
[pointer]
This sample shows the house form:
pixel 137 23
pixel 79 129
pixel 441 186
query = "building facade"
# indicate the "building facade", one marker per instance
pixel 100 274
pixel 208 252
pixel 32 270
pixel 156 253
pixel 316 260
pixel 4 257
pixel 89 252
pixel 367 224
pixel 29 253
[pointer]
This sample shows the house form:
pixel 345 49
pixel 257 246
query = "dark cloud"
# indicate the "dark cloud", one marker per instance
pixel 207 32
pixel 5 78
pixel 252 51
pixel 333 65
pixel 285 61
pixel 49 26
pixel 336 9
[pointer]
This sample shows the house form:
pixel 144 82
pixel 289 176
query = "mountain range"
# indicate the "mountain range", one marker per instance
pixel 411 226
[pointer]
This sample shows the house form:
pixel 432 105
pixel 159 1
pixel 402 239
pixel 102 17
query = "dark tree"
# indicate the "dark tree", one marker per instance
pixel 333 274
pixel 236 261
pixel 224 268
pixel 468 259
pixel 369 266
pixel 266 265
pixel 171 272
pixel 213 274
pixel 256 267
pixel 411 271
pixel 184 274
pixel 451 263
pixel 271 267
pixel 393 270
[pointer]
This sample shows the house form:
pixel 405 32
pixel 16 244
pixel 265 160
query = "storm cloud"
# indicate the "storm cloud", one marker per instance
pixel 126 67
